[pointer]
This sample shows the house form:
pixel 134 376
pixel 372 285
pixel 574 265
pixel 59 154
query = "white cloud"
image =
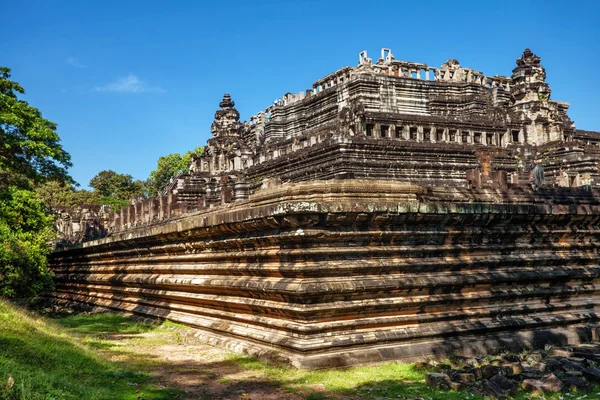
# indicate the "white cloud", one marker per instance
pixel 129 84
pixel 75 62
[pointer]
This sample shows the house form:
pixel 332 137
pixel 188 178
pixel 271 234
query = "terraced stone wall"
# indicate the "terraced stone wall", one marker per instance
pixel 342 272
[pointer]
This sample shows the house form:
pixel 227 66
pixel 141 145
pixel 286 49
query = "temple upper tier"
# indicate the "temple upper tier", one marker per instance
pixel 400 101
pixel 450 126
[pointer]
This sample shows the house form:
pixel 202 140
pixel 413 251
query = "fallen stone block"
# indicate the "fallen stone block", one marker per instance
pixel 465 377
pixel 457 385
pixel 476 372
pixel 576 385
pixel 490 389
pixel 438 381
pixel 507 386
pixel 531 373
pixel 533 357
pixel 556 352
pixel 457 375
pixel 515 368
pixel 540 366
pixel 487 371
pixel 552 364
pixel 569 365
pixel 592 374
pixel 548 384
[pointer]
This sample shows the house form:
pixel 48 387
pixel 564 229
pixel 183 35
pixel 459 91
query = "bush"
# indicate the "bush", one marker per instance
pixel 25 235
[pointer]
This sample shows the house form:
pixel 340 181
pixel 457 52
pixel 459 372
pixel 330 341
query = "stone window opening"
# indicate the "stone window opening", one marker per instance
pixel 573 181
pixel 399 130
pixel 439 135
pixel 465 137
pixel 515 136
pixel 369 129
pixel 427 135
pixel 384 131
pixel 490 139
pixel 413 133
pixel 452 135
pixel 477 137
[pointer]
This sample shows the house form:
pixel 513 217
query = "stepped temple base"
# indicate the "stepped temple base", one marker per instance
pixel 344 272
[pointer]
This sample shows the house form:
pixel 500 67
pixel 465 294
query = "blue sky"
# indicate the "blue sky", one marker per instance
pixel 129 81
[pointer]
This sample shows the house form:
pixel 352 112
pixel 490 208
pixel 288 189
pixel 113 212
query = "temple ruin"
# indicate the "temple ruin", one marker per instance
pixel 392 211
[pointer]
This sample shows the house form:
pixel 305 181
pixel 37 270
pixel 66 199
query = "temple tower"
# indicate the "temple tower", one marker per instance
pixel 227 119
pixel 529 79
pixel 226 151
pixel 543 120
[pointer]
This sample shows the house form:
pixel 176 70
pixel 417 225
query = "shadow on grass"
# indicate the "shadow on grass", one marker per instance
pixel 46 363
pixel 385 381
pixel 102 323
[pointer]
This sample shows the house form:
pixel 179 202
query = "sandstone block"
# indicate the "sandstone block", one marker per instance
pixel 576 385
pixel 438 381
pixel 548 384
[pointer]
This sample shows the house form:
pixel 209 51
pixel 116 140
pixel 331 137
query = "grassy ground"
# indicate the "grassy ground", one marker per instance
pixel 110 357
pixel 47 362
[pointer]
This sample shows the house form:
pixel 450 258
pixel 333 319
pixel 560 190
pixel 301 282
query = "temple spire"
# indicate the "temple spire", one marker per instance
pixel 227 119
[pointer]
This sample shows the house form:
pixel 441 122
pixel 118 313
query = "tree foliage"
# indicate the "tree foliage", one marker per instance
pixel 30 154
pixel 167 168
pixel 25 235
pixel 116 189
pixel 30 148
pixel 55 193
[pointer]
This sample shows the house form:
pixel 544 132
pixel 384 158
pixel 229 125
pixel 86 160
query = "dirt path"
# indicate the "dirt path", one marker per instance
pixel 201 371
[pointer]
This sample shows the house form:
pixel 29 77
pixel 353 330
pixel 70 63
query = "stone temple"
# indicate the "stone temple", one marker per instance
pixel 393 211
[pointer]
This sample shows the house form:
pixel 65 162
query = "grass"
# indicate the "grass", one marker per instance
pixel 46 361
pixel 392 380
pixel 389 380
pixel 110 357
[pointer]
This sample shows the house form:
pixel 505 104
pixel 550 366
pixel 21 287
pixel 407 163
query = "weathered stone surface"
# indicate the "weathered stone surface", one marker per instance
pixel 576 385
pixel 548 384
pixel 457 128
pixel 465 378
pixel 438 381
pixel 378 216
pixel 540 366
pixel 311 271
pixel 488 371
pixel 531 373
pixel 552 364
pixel 592 374
pixel 506 386
pixel 515 368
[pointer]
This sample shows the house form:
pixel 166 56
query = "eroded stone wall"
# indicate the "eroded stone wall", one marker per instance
pixel 341 272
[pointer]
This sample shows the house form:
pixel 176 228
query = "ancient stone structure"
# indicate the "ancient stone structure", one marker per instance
pixel 392 211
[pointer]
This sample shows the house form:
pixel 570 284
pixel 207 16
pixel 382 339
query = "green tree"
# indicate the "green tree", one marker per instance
pixel 25 235
pixel 116 189
pixel 30 153
pixel 30 149
pixel 167 168
pixel 55 193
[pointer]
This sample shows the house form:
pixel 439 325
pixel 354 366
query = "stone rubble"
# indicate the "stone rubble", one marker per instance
pixel 538 372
